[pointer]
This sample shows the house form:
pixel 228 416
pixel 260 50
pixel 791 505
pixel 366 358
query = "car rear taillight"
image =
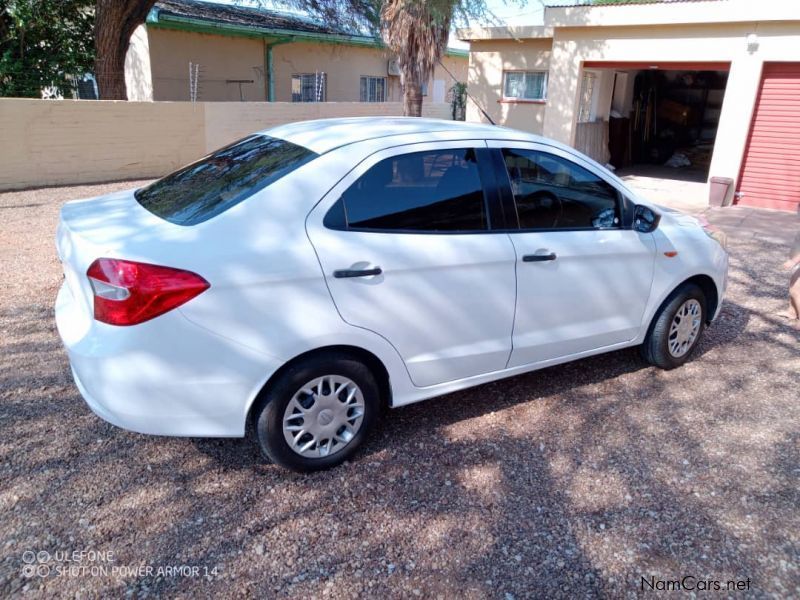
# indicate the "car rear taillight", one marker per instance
pixel 128 292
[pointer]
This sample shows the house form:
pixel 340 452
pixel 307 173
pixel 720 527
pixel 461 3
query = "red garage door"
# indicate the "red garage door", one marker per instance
pixel 770 175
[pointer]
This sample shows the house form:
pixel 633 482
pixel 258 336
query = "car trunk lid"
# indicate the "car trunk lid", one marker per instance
pixel 102 226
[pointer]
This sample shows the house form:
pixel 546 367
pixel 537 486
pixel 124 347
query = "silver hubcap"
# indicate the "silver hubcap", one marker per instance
pixel 323 416
pixel 684 328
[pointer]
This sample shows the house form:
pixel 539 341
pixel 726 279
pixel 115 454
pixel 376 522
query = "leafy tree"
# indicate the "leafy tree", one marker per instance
pixel 458 101
pixel 43 41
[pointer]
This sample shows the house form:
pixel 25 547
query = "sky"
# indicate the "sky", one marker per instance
pixel 530 12
pixel 512 12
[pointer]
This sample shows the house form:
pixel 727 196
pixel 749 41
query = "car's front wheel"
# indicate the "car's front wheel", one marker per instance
pixel 676 328
pixel 317 413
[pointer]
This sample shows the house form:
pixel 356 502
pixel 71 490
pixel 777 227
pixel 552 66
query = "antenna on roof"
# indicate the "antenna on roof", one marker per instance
pixel 480 108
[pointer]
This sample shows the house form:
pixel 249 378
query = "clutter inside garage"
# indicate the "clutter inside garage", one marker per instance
pixel 673 120
pixel 665 117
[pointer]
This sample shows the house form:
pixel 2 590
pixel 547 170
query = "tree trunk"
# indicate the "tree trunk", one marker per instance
pixel 115 22
pixel 412 98
pixel 109 70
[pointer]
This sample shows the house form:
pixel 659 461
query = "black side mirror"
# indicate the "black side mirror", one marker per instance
pixel 645 220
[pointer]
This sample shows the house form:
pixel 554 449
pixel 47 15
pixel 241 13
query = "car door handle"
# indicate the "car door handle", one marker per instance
pixel 539 257
pixel 345 273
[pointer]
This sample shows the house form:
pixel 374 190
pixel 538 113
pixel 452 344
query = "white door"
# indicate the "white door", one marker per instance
pixel 583 278
pixel 406 249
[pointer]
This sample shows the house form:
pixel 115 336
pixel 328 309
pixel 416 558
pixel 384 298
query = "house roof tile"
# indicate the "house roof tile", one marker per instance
pixel 214 12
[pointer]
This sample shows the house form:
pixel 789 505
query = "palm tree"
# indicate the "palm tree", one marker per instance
pixel 416 31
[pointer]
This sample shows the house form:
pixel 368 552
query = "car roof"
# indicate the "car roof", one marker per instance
pixel 324 135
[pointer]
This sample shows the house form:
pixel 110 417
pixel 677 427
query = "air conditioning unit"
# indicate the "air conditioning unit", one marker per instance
pixel 393 68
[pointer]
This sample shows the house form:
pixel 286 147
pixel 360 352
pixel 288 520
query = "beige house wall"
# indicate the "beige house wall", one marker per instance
pixel 582 34
pixel 49 142
pixel 487 61
pixel 138 74
pixel 457 65
pixel 168 52
pixel 221 59
pixel 345 65
pixel 342 65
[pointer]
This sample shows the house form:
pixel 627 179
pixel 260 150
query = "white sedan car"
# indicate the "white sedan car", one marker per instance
pixel 303 277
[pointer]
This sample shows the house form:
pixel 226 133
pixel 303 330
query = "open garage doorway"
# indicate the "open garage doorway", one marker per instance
pixel 660 121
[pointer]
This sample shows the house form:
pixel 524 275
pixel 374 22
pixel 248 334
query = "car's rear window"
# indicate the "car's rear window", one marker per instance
pixel 221 180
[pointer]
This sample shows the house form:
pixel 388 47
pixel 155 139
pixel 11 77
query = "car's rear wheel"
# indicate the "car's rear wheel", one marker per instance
pixel 676 328
pixel 317 413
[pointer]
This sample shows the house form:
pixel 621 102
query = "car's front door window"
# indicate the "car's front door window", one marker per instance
pixel 551 192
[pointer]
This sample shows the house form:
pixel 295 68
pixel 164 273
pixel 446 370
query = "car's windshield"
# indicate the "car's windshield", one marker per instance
pixel 221 180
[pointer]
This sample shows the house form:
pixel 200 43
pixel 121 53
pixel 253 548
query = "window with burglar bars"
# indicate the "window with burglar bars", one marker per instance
pixel 585 108
pixel 309 87
pixel 373 89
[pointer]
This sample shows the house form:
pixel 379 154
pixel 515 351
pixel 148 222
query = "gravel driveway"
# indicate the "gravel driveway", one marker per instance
pixel 575 481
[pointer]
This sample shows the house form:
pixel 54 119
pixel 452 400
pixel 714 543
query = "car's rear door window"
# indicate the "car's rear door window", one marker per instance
pixel 429 191
pixel 214 184
pixel 551 192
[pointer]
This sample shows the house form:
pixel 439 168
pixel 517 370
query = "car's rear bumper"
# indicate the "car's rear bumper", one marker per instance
pixel 165 377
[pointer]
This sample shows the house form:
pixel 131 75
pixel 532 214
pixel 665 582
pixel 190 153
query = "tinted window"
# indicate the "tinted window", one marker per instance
pixel 554 193
pixel 438 190
pixel 221 180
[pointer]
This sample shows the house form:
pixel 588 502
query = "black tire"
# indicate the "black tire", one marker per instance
pixel 655 348
pixel 268 413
